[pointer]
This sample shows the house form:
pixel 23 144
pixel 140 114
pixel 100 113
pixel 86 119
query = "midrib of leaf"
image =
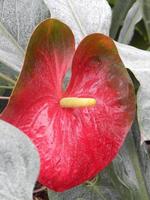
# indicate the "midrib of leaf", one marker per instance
pixel 69 2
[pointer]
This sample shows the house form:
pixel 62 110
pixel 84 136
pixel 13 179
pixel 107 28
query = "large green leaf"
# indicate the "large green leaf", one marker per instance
pixel 146 15
pixel 127 177
pixel 120 10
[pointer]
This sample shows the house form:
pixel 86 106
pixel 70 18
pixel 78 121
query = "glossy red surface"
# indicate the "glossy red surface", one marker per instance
pixel 74 144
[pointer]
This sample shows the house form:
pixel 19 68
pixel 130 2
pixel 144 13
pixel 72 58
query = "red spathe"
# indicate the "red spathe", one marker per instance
pixel 73 144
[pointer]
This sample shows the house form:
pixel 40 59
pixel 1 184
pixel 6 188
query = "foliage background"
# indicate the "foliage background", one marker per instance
pixel 140 38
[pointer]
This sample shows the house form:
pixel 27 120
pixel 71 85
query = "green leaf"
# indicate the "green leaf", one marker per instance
pixel 9 73
pixel 133 17
pixel 143 156
pixel 112 2
pixel 146 15
pixel 120 10
pixel 138 61
pixel 127 177
pixel 10 53
pixel 128 168
pixel 17 21
pixel 140 38
pixel 19 164
pixel 21 17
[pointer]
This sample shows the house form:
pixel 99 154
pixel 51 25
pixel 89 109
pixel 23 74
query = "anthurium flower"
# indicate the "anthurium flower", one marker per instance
pixel 79 130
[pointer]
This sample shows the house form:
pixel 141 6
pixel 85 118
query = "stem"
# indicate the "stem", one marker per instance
pixel 4 98
pixel 39 190
pixel 7 79
pixel 6 87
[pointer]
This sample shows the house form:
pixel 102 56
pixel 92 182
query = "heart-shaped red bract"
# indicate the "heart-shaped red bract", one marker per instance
pixel 74 144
